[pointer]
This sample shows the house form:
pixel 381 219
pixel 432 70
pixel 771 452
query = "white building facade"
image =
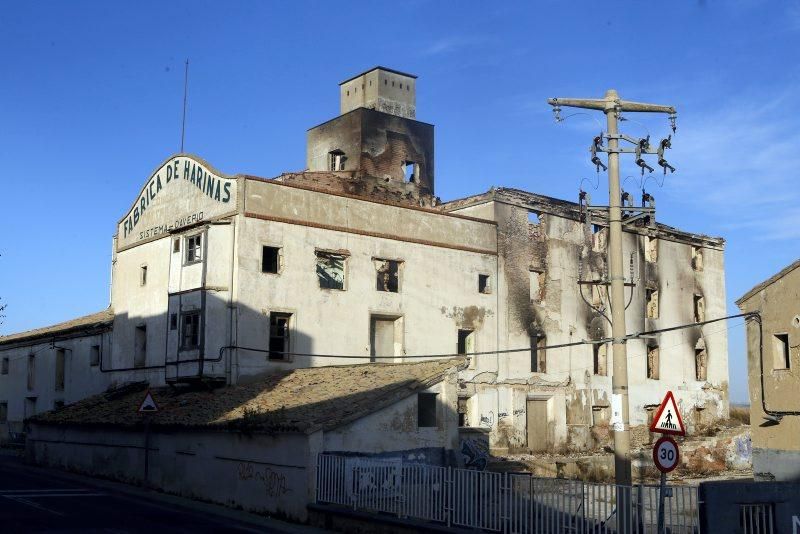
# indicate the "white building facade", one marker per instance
pixel 217 278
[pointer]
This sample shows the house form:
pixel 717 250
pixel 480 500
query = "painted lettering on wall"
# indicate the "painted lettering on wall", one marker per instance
pixel 163 229
pixel 274 483
pixel 180 168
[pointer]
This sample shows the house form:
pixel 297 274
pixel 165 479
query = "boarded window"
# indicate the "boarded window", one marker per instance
pixel 652 362
pixel 190 332
pixel 699 309
pixel 60 356
pixel 651 299
pixel 387 275
pixel 5 366
pixel 483 284
pixel 537 286
pixel 780 351
pixel 426 410
pixel 701 363
pixel 140 346
pixel 270 260
pixel 385 337
pixel 194 248
pixel 697 258
pixel 651 249
pixel 600 359
pixel 94 355
pixel 279 336
pixel 330 270
pixel 31 371
pixel 538 354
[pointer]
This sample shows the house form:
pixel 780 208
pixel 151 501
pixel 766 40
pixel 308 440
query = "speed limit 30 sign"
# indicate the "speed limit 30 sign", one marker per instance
pixel 665 454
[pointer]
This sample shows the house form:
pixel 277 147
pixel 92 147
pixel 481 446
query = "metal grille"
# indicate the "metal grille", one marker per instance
pixel 504 502
pixel 757 518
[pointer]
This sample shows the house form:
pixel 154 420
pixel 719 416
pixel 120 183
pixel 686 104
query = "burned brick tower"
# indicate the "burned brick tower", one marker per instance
pixel 376 146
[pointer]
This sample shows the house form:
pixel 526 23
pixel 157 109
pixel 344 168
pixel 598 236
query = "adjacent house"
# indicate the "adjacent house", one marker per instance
pixel 773 363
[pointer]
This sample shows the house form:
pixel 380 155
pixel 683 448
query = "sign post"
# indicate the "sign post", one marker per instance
pixel 147 407
pixel 666 454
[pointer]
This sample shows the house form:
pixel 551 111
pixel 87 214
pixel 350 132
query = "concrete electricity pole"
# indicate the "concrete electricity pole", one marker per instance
pixel 612 106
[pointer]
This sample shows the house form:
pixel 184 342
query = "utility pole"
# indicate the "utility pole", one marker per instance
pixel 613 106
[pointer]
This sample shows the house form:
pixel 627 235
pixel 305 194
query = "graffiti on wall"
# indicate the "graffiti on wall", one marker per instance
pixel 475 452
pixel 487 419
pixel 274 483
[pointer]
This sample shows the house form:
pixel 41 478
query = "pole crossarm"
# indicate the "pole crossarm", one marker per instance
pixel 611 102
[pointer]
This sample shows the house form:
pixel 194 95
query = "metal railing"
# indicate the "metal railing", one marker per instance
pixel 500 502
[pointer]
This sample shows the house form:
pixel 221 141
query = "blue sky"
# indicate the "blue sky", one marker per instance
pixel 91 101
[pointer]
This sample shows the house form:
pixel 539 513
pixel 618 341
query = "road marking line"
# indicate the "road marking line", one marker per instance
pixel 33 505
pixel 63 490
pixel 48 495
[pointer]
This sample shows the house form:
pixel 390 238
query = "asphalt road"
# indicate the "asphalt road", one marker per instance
pixel 36 500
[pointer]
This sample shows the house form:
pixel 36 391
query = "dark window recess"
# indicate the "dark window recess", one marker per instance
pixel 5 366
pixel 279 336
pixel 388 275
pixel 426 410
pixel 60 357
pixel 483 283
pixel 190 337
pixel 143 275
pixel 781 354
pixel 193 248
pixel 173 321
pixel 140 346
pixel 176 245
pixel 330 270
pixel 31 371
pixel 94 355
pixel 462 411
pixel 3 412
pixel 538 354
pixel 465 344
pixel 270 259
pixel 57 405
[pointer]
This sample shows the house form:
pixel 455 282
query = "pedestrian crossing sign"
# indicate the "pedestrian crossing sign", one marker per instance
pixel 668 418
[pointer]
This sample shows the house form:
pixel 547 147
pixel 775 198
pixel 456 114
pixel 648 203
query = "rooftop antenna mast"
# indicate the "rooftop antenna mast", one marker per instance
pixel 613 107
pixel 185 93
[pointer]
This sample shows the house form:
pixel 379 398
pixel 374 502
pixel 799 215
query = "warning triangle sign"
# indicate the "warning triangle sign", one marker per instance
pixel 148 405
pixel 668 418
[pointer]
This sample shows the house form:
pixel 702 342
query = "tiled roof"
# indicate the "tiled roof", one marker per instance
pixel 299 400
pixel 87 322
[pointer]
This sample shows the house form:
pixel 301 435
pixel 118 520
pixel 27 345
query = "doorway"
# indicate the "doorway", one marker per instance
pixel 538 425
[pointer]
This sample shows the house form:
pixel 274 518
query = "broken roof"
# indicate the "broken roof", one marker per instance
pixel 99 320
pixel 769 281
pixel 565 208
pixel 298 400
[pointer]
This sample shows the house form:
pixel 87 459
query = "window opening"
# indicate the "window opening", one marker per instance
pixel 537 285
pixel 176 245
pixel 5 366
pixel 701 363
pixel 388 275
pixel 699 309
pixel 466 343
pixel 143 275
pixel 330 270
pixel 60 354
pixel 426 410
pixel 57 405
pixel 94 355
pixel 538 354
pixel 279 336
pixel 697 258
pixel 780 348
pixel 31 371
pixel 336 160
pixel 140 346
pixel 652 362
pixel 3 412
pixel 173 321
pixel 483 284
pixel 190 335
pixel 194 252
pixel 600 351
pixel 410 170
pixel 463 415
pixel 651 297
pixel 270 260
pixel 651 249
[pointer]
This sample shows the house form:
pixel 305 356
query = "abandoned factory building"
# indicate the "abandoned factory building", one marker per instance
pixel 219 278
